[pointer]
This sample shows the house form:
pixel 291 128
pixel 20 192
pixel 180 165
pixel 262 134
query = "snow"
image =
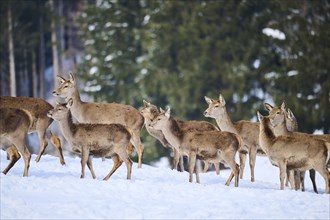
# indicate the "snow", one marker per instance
pixel 53 191
pixel 274 33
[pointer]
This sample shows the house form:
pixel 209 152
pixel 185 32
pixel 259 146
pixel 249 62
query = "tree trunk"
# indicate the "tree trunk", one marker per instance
pixel 41 56
pixel 11 55
pixel 60 35
pixel 54 44
pixel 34 74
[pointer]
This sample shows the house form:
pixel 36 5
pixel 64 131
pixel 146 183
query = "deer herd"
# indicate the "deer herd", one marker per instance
pixel 113 130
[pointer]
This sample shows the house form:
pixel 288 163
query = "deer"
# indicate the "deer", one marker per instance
pixel 14 127
pixel 248 131
pixel 37 109
pixel 102 113
pixel 281 120
pixel 102 140
pixel 209 146
pixel 150 111
pixel 292 152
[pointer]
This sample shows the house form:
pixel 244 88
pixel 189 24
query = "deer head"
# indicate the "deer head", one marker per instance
pixel 66 88
pixel 216 107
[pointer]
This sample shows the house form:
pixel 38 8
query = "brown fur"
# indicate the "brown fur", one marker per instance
pixel 207 145
pixel 102 113
pixel 14 127
pixel 293 152
pixel 37 109
pixel 150 112
pixel 282 121
pixel 95 139
pixel 246 130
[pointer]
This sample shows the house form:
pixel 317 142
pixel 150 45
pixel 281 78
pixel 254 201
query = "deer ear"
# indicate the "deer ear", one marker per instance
pixel 283 106
pixel 69 103
pixel 222 100
pixel 145 103
pixel 168 112
pixel 161 110
pixel 290 114
pixel 268 107
pixel 72 78
pixel 208 100
pixel 260 116
pixel 60 79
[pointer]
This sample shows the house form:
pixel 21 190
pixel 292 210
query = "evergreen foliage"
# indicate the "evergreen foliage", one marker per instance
pixel 176 52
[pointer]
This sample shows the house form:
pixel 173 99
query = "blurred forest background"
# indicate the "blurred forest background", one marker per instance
pixel 172 52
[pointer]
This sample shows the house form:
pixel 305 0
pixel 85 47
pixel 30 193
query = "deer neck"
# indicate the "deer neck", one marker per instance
pixel 172 133
pixel 77 107
pixel 68 128
pixel 281 129
pixel 225 123
pixel 266 136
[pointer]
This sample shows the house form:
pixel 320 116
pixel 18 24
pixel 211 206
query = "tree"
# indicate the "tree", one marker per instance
pixel 56 68
pixel 11 54
pixel 302 76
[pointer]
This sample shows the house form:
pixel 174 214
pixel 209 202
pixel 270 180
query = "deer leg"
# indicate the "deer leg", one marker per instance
pixel 19 142
pixel 192 164
pixel 198 162
pixel 42 141
pixel 290 177
pixel 287 178
pixel 242 159
pixel 176 158
pixel 138 146
pixel 84 159
pixel 90 166
pixel 312 177
pixel 252 160
pixel 302 180
pixel 181 164
pixel 57 143
pixel 234 169
pixel 296 179
pixel 117 162
pixel 282 166
pixel 326 175
pixel 129 164
pixel 234 173
pixel 13 156
pixel 27 158
pixel 217 168
pixel 206 166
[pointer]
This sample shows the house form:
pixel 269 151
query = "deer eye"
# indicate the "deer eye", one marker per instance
pixel 216 106
pixel 278 113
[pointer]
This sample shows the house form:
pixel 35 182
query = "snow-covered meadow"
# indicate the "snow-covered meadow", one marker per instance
pixel 53 191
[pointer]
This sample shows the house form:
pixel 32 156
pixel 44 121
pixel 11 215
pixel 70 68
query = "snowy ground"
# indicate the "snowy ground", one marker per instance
pixel 53 191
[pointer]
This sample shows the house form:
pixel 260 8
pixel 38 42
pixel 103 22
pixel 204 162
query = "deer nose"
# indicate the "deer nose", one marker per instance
pixel 55 93
pixel 205 113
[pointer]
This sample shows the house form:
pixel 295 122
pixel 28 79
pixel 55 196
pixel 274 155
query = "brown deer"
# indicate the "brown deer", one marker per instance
pixel 37 109
pixel 150 112
pixel 281 120
pixel 247 130
pixel 289 152
pixel 14 127
pixel 94 139
pixel 102 113
pixel 209 146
